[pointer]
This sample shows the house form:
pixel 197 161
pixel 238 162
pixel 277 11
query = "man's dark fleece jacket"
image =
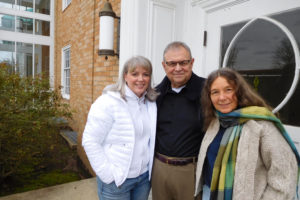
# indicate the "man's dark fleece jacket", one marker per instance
pixel 179 118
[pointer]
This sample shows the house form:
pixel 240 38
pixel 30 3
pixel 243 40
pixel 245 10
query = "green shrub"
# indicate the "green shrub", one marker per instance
pixel 29 110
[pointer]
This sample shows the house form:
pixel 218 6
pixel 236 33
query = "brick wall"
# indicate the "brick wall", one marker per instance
pixel 78 26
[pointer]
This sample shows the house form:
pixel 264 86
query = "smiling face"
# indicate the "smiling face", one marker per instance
pixel 138 80
pixel 223 96
pixel 178 66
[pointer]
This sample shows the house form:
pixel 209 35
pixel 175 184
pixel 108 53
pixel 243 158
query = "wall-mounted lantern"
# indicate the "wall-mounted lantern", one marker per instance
pixel 106 33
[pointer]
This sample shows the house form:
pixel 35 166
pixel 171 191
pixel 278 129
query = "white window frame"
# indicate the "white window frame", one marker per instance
pixel 32 38
pixel 65 4
pixel 294 46
pixel 65 95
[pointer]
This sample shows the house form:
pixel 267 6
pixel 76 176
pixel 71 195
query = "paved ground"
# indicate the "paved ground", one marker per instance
pixel 78 190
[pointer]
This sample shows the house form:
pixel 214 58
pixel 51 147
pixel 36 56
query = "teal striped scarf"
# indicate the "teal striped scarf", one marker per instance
pixel 224 167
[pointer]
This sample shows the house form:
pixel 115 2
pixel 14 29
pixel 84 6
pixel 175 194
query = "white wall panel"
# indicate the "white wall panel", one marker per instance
pixel 161 32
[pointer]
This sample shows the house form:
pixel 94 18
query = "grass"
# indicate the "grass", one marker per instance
pixel 48 179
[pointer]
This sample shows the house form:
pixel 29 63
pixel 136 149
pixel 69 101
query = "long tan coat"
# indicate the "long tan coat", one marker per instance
pixel 266 167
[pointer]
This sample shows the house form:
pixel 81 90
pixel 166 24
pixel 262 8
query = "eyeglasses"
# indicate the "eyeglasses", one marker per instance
pixel 174 63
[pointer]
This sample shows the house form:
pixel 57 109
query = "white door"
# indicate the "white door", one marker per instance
pixel 263 53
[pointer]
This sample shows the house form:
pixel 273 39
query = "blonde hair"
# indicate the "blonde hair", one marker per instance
pixel 129 66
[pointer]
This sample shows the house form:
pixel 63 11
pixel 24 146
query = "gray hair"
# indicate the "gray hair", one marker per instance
pixel 129 66
pixel 176 45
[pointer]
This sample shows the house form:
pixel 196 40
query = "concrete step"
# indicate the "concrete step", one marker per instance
pixel 70 137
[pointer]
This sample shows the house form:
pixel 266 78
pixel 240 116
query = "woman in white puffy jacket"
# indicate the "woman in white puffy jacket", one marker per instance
pixel 119 135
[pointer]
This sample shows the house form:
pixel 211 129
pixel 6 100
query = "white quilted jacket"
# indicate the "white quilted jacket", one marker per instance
pixel 108 138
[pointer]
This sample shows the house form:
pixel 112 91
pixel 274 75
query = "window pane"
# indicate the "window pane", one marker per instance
pixel 255 55
pixel 24 59
pixel 42 27
pixel 7 22
pixel 67 80
pixel 264 55
pixel 66 71
pixel 41 64
pixel 25 25
pixel 7 3
pixel 290 113
pixel 67 59
pixel 7 53
pixel 25 5
pixel 42 6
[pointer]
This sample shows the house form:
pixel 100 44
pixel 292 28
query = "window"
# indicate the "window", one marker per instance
pixel 25 5
pixel 65 4
pixel 37 6
pixel 65 80
pixel 25 37
pixel 24 18
pixel 264 56
pixel 41 59
pixel 7 22
pixel 7 53
pixel 42 7
pixel 24 59
pixel 42 27
pixel 24 25
pixel 19 56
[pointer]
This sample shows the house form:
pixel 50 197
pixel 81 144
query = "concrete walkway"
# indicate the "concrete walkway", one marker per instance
pixel 79 190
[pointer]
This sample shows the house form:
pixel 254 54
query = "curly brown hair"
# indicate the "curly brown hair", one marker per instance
pixel 245 94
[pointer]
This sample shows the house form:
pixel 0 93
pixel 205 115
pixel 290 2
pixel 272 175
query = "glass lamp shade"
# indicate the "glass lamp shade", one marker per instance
pixel 106 30
pixel 106 35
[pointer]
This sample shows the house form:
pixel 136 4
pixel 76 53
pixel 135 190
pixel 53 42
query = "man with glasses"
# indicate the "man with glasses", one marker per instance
pixel 179 126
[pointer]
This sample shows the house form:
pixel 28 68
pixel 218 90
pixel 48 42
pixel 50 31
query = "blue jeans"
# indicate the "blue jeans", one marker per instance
pixel 206 193
pixel 132 189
